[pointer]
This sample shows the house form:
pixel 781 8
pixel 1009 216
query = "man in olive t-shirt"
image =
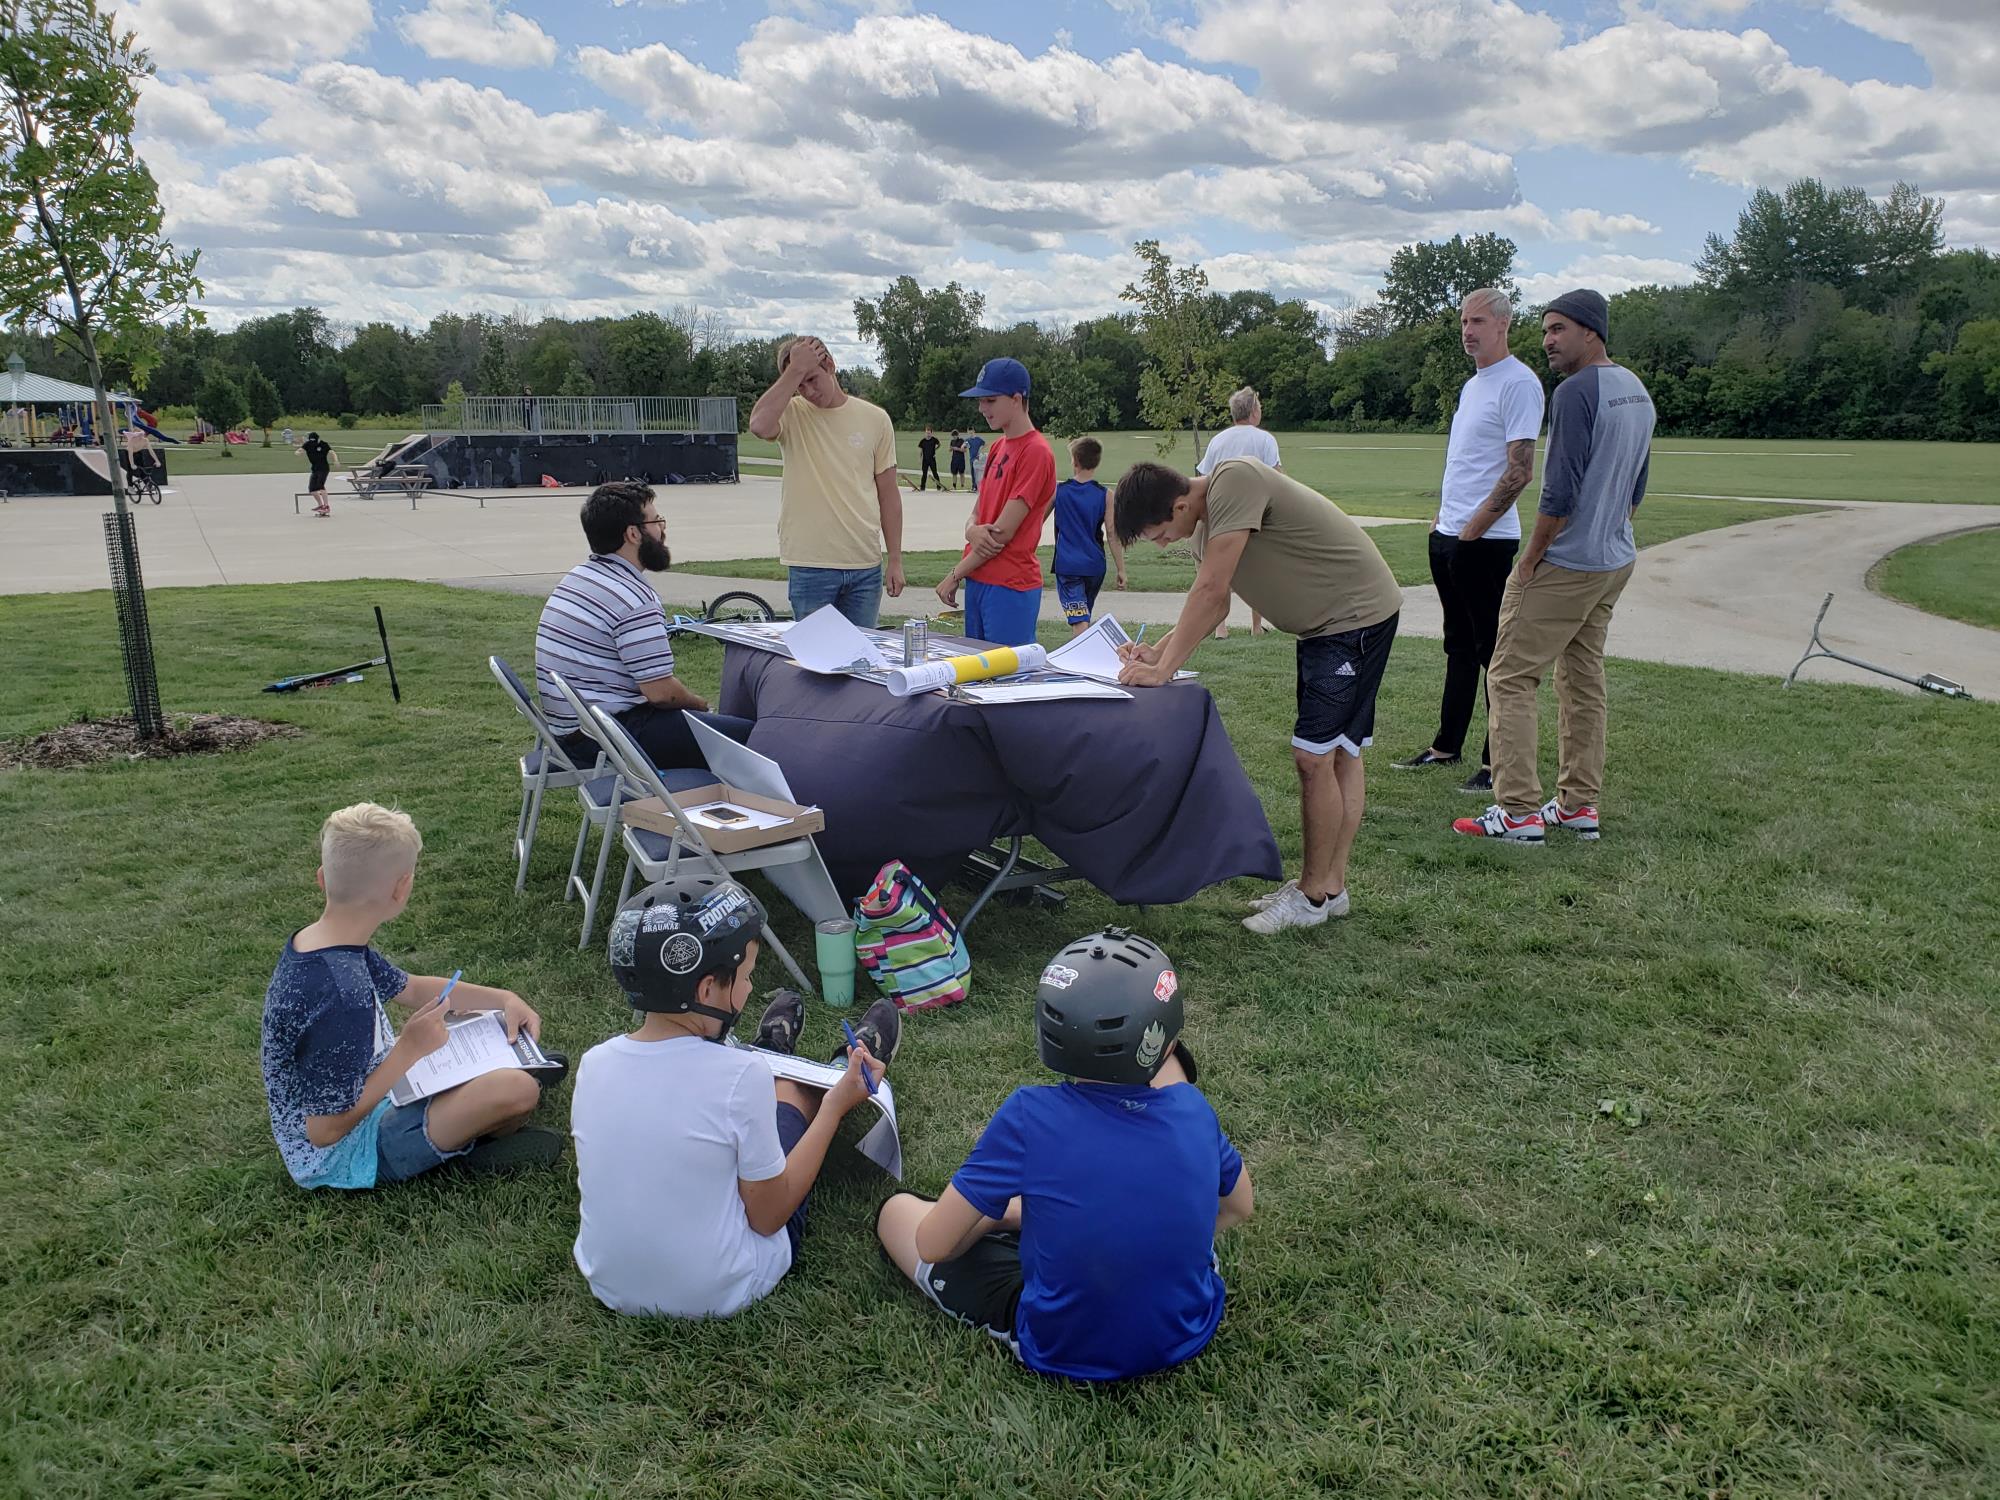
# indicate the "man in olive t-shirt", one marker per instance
pixel 840 507
pixel 1298 560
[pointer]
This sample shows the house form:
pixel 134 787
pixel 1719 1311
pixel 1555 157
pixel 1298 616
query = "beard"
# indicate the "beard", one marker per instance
pixel 653 554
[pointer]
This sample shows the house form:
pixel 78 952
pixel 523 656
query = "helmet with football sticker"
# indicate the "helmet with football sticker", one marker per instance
pixel 663 946
pixel 1108 1008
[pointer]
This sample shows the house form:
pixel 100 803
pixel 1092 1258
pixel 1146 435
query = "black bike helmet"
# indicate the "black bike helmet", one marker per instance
pixel 663 946
pixel 1108 1008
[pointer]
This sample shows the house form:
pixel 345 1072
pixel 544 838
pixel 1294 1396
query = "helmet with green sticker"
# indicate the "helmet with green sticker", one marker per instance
pixel 1108 1008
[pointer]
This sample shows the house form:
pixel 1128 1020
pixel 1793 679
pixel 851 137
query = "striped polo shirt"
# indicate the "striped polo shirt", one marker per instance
pixel 605 631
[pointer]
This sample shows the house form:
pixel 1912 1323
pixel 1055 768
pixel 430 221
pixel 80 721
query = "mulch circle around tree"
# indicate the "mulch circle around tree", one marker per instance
pixel 96 742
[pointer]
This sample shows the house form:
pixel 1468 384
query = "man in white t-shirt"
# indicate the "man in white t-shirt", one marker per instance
pixel 1477 530
pixel 694 1162
pixel 1245 437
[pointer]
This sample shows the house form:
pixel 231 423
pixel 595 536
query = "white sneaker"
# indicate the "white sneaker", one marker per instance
pixel 1272 897
pixel 1292 909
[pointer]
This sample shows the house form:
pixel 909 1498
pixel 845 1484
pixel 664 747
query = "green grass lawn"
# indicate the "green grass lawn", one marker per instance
pixel 1405 548
pixel 1958 577
pixel 1396 474
pixel 1463 1279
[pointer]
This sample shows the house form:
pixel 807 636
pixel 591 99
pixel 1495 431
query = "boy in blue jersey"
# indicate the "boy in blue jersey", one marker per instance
pixel 330 1056
pixel 1083 520
pixel 1081 1231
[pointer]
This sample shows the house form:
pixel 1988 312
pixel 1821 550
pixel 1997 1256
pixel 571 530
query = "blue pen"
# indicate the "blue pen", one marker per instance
pixel 1142 636
pixel 854 1041
pixel 448 984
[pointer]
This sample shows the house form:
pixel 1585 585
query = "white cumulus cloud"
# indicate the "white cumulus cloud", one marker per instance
pixel 478 31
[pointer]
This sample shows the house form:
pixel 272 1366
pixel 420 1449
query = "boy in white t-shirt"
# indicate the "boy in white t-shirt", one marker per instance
pixel 693 1161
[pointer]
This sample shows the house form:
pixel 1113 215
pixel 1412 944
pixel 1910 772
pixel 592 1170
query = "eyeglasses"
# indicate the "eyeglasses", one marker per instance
pixel 659 521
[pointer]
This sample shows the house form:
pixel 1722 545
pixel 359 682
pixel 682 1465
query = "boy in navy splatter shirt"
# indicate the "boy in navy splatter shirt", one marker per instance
pixel 330 1055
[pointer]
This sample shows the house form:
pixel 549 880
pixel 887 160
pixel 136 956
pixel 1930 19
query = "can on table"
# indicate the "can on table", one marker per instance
pixel 916 641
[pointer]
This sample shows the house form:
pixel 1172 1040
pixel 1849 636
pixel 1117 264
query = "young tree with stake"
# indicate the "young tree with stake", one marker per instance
pixel 84 253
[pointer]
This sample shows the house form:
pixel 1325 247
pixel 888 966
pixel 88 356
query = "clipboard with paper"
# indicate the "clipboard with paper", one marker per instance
pixel 883 1144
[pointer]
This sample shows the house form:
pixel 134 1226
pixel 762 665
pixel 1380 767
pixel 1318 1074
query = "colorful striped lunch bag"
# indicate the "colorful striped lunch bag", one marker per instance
pixel 908 942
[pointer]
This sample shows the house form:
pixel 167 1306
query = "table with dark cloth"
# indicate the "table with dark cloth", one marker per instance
pixel 1143 798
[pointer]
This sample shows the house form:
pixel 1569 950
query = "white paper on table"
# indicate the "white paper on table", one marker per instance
pixel 827 641
pixel 1041 692
pixel 1095 652
pixel 883 1145
pixel 473 1045
pixel 903 681
pixel 752 817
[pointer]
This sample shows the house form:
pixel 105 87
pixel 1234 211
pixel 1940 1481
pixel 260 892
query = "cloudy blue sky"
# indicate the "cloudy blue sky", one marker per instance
pixel 397 158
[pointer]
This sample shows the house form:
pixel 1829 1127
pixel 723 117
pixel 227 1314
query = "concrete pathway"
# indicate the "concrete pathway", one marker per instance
pixel 1741 598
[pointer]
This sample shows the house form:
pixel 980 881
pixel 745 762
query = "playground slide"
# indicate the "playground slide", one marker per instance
pixel 163 437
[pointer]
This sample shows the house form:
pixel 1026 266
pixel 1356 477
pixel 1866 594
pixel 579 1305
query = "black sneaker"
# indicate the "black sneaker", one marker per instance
pixel 1422 759
pixel 880 1031
pixel 552 1075
pixel 1478 784
pixel 529 1146
pixel 778 1028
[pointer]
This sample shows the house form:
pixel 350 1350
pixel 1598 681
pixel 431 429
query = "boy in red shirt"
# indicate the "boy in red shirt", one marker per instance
pixel 1002 575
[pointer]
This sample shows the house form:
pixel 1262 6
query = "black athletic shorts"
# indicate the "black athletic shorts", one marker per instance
pixel 982 1288
pixel 1338 679
pixel 791 1130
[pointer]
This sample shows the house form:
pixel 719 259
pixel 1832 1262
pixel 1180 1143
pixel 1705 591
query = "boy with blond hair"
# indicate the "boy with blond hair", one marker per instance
pixel 330 1056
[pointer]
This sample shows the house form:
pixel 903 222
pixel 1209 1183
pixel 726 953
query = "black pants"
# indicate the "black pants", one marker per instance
pixel 663 734
pixel 1470 578
pixel 929 471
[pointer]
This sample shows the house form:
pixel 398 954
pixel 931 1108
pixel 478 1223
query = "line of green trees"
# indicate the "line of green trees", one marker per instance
pixel 1826 313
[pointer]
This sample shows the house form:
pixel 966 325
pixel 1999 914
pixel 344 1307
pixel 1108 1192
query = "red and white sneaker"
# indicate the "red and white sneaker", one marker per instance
pixel 1582 822
pixel 1497 823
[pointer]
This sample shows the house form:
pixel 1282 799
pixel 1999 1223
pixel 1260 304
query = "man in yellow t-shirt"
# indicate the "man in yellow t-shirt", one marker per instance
pixel 1298 560
pixel 840 506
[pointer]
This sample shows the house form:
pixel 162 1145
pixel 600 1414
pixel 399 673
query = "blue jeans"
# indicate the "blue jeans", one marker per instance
pixel 855 592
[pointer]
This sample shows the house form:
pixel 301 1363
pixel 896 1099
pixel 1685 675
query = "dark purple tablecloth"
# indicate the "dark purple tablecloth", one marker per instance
pixel 1145 799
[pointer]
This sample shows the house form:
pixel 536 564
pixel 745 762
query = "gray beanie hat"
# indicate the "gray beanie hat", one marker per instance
pixel 1586 307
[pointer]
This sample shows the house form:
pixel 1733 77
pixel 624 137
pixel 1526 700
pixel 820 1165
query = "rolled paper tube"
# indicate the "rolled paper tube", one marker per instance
pixel 981 666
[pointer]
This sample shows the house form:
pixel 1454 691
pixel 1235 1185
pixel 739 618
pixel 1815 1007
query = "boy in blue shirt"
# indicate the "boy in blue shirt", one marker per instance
pixel 1083 520
pixel 1081 1231
pixel 330 1056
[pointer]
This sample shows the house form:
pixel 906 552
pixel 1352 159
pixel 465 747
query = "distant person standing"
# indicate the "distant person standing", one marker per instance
pixel 1558 602
pixel 1245 437
pixel 974 445
pixel 957 457
pixel 319 453
pixel 1477 529
pixel 531 410
pixel 841 508
pixel 927 445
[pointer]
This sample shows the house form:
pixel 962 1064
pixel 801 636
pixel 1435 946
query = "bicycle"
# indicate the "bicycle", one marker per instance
pixel 141 486
pixel 738 604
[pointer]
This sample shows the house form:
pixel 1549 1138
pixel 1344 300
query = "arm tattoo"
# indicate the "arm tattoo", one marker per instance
pixel 1520 468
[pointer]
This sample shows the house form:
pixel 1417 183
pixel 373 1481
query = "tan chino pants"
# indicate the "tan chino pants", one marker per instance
pixel 1562 616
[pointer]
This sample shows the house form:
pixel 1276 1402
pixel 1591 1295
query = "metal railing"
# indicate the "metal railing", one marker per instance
pixel 609 415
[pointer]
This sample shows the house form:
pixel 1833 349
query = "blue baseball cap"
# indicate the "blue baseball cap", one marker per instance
pixel 1000 377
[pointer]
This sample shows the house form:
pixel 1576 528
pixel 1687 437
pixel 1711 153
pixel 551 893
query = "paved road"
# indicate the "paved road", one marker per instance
pixel 1741 598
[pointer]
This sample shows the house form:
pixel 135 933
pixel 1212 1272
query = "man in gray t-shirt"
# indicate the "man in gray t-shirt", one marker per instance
pixel 1558 603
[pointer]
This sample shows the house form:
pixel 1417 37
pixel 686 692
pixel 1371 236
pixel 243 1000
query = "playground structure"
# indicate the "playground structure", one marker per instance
pixel 49 443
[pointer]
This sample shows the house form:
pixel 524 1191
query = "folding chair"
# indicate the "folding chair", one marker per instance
pixel 601 797
pixel 545 767
pixel 658 856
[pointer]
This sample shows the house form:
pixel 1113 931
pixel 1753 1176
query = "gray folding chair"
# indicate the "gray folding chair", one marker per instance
pixel 601 797
pixel 658 856
pixel 546 766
